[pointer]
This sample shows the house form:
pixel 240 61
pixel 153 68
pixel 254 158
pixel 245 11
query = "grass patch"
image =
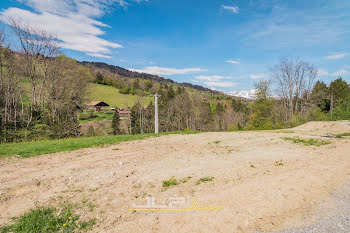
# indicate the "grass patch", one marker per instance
pixel 95 116
pixel 184 180
pixel 172 181
pixel 28 149
pixel 308 142
pixel 343 135
pixel 111 96
pixel 217 142
pixel 205 179
pixel 49 219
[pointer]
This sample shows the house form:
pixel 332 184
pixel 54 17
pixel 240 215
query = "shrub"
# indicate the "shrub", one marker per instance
pixel 49 219
pixel 172 181
pixel 205 179
pixel 317 115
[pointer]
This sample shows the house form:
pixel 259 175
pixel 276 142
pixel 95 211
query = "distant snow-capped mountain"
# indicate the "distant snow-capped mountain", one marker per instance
pixel 250 94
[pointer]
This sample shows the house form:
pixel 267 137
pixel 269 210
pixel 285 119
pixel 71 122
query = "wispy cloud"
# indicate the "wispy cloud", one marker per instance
pixel 98 55
pixel 336 56
pixel 233 9
pixel 233 61
pixel 341 73
pixel 73 21
pixel 221 84
pixel 338 73
pixel 258 76
pixel 322 72
pixel 216 80
pixel 167 71
pixel 212 77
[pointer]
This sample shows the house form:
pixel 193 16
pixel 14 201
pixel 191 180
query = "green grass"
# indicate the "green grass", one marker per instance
pixel 28 149
pixel 96 116
pixel 49 219
pixel 184 180
pixel 172 181
pixel 111 96
pixel 205 179
pixel 308 142
pixel 343 135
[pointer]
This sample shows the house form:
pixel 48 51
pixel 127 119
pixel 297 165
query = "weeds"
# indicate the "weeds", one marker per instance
pixel 184 180
pixel 308 142
pixel 205 179
pixel 279 163
pixel 49 219
pixel 172 181
pixel 343 135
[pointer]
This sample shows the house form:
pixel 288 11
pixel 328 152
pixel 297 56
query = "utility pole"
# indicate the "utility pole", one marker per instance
pixel 156 127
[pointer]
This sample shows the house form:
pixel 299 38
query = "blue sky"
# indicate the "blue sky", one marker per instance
pixel 226 45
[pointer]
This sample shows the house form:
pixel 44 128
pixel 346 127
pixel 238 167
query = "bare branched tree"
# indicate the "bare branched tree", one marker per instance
pixel 38 49
pixel 294 80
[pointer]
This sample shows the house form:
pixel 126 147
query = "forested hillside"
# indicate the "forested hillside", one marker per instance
pixel 122 72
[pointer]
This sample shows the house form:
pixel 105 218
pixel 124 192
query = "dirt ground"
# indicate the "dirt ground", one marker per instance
pixel 251 193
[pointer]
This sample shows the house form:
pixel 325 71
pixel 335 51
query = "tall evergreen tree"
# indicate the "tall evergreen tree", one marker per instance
pixel 135 119
pixel 320 96
pixel 339 90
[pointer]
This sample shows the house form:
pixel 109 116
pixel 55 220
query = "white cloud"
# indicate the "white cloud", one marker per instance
pixel 166 71
pixel 233 9
pixel 233 61
pixel 336 56
pixel 72 21
pixel 98 55
pixel 337 73
pixel 341 73
pixel 322 72
pixel 212 78
pixel 216 80
pixel 257 76
pixel 220 84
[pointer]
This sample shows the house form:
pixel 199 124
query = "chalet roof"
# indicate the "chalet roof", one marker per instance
pixel 98 103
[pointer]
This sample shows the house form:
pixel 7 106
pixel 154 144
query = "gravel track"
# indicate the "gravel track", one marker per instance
pixel 333 216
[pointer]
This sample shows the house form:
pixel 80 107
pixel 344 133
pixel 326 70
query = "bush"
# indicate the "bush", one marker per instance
pixel 317 115
pixel 125 90
pixel 91 131
pixel 342 112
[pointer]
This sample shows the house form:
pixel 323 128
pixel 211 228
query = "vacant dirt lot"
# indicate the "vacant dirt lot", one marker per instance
pixel 254 192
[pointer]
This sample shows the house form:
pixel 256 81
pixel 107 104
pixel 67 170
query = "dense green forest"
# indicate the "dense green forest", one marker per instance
pixel 43 94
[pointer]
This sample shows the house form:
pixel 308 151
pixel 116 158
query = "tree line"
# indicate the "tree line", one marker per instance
pixel 292 96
